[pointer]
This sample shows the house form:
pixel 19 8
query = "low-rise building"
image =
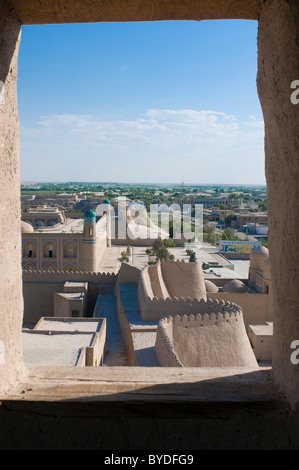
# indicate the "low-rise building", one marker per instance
pixel 65 342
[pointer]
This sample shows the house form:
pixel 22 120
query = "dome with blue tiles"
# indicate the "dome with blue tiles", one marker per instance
pixel 89 217
pixel 106 201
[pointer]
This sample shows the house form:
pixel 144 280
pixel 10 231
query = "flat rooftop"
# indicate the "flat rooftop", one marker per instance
pixel 69 226
pixel 58 341
pixel 69 324
pixel 42 348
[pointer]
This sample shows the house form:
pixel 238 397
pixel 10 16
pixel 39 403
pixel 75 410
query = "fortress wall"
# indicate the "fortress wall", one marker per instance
pixel 128 274
pixel 39 300
pixel 157 283
pixel 255 307
pixel 39 288
pixel 154 294
pixel 62 276
pixel 183 279
pixel 154 309
pixel 164 349
pixel 144 287
pixel 210 340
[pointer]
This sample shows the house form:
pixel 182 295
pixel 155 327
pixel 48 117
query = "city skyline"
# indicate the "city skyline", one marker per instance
pixel 141 102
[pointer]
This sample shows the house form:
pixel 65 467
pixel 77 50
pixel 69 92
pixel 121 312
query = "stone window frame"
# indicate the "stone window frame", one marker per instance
pixel 275 86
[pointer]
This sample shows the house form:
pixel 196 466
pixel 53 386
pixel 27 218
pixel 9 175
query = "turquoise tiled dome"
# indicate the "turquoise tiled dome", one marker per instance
pixel 106 201
pixel 89 217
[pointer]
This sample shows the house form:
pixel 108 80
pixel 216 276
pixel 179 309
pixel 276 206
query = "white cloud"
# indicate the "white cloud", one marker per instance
pixel 203 139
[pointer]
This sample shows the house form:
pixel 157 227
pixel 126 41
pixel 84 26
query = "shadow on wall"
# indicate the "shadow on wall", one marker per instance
pixel 213 413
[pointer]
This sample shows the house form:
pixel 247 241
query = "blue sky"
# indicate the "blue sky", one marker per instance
pixel 141 102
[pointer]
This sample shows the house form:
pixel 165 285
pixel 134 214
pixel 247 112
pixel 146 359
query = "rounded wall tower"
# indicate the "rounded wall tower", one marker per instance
pixel 89 242
pixel 257 258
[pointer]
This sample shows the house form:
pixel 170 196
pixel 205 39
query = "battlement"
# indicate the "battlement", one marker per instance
pixel 164 348
pixel 204 340
pixel 155 308
pixel 203 319
pixel 170 287
pixel 219 304
pixel 61 276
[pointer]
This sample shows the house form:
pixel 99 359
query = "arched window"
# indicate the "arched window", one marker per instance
pixel 69 250
pixel 29 267
pixel 50 267
pixel 29 250
pixel 70 268
pixel 49 250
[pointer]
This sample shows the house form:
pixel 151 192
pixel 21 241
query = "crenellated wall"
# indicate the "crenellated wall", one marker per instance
pixel 164 348
pixel 257 308
pixel 63 276
pixel 153 308
pixel 169 288
pixel 39 288
pixel 215 339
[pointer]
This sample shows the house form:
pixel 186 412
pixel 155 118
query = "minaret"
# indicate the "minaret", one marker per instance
pixel 89 243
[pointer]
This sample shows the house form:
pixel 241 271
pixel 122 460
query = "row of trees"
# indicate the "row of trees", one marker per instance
pixel 158 252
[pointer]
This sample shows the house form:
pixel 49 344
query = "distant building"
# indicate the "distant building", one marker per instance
pixel 72 245
pixel 252 218
pixel 210 202
pixel 43 217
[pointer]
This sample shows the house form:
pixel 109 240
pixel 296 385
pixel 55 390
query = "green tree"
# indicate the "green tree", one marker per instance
pixel 229 218
pixel 158 245
pixel 160 250
pixel 125 255
pixel 163 253
pixel 228 234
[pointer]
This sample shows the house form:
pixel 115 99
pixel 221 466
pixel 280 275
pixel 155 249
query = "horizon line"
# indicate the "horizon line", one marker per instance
pixel 143 183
